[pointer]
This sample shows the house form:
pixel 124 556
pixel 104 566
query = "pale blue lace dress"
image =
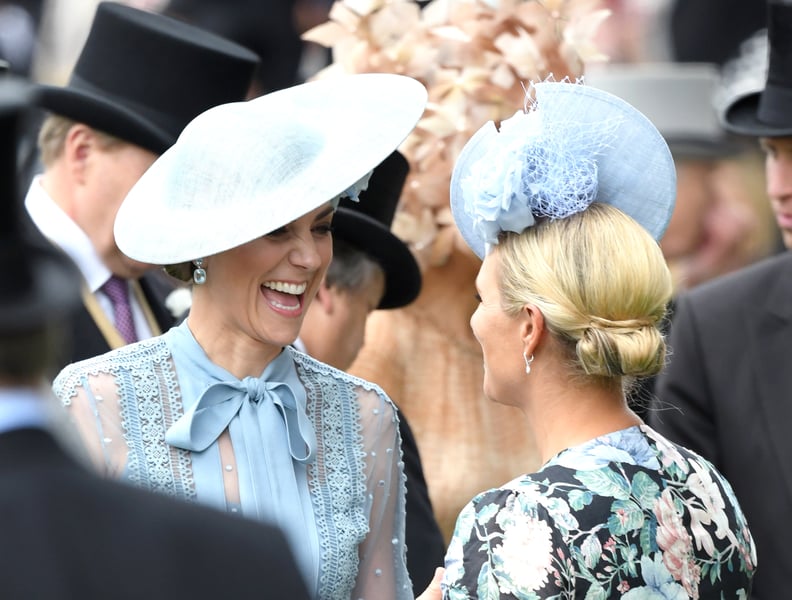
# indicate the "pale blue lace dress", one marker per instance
pixel 304 445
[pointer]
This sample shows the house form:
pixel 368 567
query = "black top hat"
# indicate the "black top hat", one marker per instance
pixel 39 283
pixel 142 76
pixel 366 226
pixel 768 113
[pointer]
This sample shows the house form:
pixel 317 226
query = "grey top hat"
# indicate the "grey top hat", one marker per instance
pixel 768 112
pixel 39 283
pixel 142 76
pixel 678 98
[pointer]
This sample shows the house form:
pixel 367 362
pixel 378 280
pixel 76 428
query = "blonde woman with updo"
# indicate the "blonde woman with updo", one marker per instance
pixel 565 203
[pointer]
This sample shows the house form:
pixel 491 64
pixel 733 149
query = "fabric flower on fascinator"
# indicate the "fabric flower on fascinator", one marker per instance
pixel 573 145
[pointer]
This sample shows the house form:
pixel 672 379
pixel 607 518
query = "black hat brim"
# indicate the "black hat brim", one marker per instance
pixel 104 114
pixel 142 76
pixel 741 117
pixel 402 273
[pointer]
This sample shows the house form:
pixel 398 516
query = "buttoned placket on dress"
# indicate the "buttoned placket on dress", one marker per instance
pixel 254 411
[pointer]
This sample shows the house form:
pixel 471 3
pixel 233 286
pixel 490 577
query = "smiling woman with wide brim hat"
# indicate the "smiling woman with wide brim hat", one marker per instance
pixel 221 409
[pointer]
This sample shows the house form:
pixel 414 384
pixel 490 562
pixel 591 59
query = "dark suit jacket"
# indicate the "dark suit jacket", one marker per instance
pixel 729 380
pixel 68 534
pixel 425 544
pixel 85 340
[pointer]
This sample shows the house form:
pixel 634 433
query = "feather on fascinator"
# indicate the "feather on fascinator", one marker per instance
pixel 572 146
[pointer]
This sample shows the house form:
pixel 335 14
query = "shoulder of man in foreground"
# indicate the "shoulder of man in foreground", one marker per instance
pixel 152 537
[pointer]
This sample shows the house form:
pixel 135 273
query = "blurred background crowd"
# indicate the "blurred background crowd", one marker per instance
pixel 644 50
pixel 732 224
pixel 677 61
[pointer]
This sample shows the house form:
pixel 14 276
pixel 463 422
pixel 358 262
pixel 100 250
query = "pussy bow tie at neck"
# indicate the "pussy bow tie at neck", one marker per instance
pixel 277 394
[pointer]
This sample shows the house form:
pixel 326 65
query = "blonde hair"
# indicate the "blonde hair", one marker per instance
pixel 602 285
pixel 52 138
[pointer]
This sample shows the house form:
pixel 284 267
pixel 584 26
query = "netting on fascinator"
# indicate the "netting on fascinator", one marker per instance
pixel 542 166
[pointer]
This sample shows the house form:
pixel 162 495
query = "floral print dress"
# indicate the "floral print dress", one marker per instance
pixel 626 515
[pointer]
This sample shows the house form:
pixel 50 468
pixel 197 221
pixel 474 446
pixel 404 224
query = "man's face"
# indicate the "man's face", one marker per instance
pixel 110 171
pixel 335 326
pixel 778 171
pixel 346 332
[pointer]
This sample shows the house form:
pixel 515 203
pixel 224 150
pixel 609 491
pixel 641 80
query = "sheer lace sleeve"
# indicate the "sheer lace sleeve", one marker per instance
pixel 93 406
pixel 121 404
pixel 382 573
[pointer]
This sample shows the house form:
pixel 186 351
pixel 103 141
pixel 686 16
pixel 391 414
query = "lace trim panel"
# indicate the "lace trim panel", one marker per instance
pixel 337 477
pixel 147 393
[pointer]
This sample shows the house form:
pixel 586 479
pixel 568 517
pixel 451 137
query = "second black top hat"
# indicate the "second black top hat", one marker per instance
pixel 366 226
pixel 142 76
pixel 768 113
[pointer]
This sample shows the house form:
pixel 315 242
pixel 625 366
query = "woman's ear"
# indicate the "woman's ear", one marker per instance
pixel 532 327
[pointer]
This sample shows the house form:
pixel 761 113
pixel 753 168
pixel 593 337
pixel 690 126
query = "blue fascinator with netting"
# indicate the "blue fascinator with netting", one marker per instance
pixel 573 145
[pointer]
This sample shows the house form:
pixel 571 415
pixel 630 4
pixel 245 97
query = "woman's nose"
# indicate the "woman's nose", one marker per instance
pixel 305 253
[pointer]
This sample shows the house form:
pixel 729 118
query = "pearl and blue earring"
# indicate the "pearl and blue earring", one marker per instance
pixel 199 274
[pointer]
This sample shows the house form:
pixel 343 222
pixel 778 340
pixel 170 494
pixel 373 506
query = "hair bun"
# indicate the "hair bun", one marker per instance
pixel 629 347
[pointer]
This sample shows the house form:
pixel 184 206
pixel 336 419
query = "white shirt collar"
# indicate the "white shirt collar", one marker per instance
pixel 58 227
pixel 300 345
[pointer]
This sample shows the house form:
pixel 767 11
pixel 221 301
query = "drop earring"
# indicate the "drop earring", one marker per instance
pixel 199 274
pixel 528 362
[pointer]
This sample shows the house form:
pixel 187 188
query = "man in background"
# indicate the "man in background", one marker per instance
pixel 726 391
pixel 140 78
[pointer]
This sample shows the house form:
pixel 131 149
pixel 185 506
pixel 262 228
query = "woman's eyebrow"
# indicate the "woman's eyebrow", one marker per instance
pixel 329 210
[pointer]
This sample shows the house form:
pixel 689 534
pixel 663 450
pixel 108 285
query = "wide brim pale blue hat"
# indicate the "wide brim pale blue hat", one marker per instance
pixel 573 146
pixel 241 170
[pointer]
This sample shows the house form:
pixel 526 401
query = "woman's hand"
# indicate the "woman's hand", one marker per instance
pixel 433 591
